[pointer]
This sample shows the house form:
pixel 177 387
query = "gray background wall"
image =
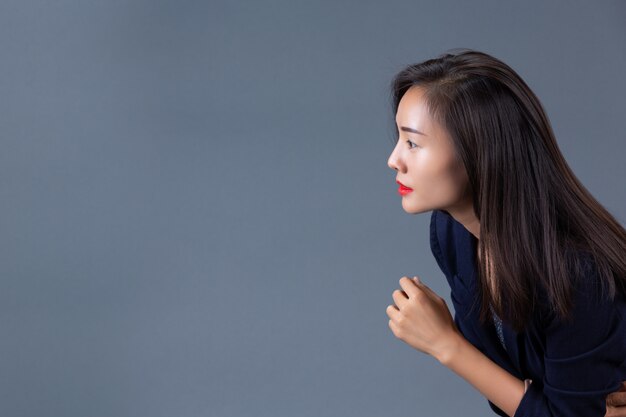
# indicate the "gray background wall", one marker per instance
pixel 197 217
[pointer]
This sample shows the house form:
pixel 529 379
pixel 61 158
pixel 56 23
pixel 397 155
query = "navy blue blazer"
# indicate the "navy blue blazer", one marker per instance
pixel 573 365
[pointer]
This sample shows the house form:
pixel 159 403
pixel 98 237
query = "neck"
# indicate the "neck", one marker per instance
pixel 467 218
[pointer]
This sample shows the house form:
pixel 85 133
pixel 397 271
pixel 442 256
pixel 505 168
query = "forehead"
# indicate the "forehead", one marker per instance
pixel 412 107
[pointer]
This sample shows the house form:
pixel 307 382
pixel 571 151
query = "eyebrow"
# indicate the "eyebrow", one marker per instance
pixel 409 129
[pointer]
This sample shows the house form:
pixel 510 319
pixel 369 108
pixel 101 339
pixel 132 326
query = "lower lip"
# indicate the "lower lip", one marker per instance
pixel 404 191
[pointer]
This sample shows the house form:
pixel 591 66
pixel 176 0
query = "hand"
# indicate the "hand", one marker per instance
pixel 616 402
pixel 422 319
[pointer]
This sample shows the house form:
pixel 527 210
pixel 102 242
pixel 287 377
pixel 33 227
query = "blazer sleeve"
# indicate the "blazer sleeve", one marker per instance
pixel 584 358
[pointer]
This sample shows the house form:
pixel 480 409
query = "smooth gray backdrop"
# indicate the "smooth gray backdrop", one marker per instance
pixel 197 217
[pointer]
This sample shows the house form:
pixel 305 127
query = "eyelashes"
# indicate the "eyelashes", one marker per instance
pixel 411 144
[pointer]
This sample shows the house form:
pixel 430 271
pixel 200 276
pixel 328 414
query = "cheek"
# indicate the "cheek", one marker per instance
pixel 440 181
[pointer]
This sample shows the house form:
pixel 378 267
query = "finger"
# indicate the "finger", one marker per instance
pixel 400 298
pixel 616 399
pixel 615 411
pixel 409 286
pixel 426 288
pixel 393 312
pixel 394 327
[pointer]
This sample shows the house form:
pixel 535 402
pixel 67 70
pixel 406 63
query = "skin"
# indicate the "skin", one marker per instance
pixel 427 163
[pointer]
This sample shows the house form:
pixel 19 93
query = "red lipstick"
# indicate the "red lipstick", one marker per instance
pixel 403 190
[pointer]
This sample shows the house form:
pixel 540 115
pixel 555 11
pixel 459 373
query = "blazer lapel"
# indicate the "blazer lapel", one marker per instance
pixel 466 268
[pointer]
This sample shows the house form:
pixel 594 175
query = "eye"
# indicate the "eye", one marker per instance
pixel 411 143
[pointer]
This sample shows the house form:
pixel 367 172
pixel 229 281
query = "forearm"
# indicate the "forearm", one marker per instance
pixel 495 383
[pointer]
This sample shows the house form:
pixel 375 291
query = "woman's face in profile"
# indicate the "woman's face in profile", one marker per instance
pixel 424 159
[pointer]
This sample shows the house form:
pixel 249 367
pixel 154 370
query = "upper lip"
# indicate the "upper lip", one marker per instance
pixel 402 185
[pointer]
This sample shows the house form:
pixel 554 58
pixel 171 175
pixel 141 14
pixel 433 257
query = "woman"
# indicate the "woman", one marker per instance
pixel 535 264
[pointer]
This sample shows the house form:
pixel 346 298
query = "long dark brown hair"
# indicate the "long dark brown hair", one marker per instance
pixel 536 218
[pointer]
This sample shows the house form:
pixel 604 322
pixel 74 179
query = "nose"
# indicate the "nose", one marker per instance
pixel 394 162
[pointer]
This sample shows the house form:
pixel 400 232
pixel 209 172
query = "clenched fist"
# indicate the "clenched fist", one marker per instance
pixel 422 319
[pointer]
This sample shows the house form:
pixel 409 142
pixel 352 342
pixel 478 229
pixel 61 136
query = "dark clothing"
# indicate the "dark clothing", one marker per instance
pixel 573 365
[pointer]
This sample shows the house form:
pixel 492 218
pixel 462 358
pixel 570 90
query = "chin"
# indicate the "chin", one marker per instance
pixel 413 208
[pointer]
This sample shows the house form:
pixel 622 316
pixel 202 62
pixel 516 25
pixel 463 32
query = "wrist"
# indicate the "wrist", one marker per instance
pixel 451 349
